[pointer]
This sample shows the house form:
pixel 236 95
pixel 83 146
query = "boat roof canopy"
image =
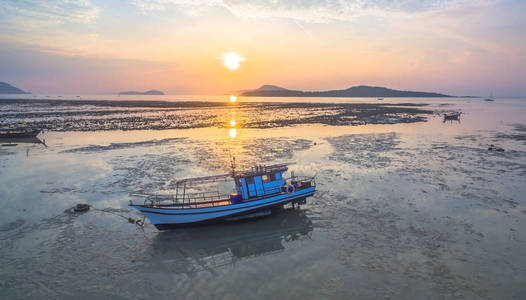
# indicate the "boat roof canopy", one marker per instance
pixel 254 171
pixel 261 170
pixel 205 179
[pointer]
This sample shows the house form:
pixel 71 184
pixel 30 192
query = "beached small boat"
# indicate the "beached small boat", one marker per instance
pixel 19 134
pixel 453 116
pixel 258 191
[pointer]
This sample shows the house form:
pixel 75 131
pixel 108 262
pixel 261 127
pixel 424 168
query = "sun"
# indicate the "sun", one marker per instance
pixel 232 60
pixel 233 98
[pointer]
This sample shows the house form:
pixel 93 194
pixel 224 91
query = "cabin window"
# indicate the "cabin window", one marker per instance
pixel 250 180
pixel 272 177
pixel 265 178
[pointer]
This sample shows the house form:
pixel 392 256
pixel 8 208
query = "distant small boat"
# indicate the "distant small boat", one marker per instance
pixel 490 97
pixel 452 116
pixel 259 190
pixel 19 134
pixel 380 99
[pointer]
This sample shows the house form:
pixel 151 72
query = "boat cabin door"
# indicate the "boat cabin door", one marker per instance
pixel 250 189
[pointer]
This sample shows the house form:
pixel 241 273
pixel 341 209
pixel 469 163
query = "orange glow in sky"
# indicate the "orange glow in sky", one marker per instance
pixel 216 47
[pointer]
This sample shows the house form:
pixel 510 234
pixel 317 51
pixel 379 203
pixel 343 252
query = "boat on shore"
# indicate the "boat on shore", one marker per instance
pixel 259 191
pixel 12 138
pixel 27 134
pixel 452 116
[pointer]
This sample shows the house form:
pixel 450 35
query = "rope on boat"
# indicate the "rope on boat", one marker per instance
pixel 82 207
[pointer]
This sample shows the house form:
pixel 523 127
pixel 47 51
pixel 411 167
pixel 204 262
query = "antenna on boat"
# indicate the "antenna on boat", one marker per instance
pixel 233 165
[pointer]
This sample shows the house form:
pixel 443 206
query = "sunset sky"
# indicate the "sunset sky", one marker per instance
pixel 177 46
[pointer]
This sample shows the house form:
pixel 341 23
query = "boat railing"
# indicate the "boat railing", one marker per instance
pixel 212 198
pixel 312 179
pixel 200 197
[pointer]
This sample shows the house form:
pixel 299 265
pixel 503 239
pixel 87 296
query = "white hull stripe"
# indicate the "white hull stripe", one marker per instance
pixel 162 211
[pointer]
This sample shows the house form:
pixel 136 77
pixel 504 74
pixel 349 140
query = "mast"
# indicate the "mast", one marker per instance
pixel 233 166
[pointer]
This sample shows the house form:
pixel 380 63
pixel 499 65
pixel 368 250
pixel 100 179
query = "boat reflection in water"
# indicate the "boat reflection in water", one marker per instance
pixel 207 247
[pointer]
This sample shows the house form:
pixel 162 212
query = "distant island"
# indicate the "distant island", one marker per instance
pixel 355 91
pixel 6 88
pixel 150 92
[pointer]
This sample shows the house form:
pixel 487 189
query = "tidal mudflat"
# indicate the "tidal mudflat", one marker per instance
pixel 404 208
pixel 86 115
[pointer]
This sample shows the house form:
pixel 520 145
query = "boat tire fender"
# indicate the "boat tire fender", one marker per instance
pixel 290 189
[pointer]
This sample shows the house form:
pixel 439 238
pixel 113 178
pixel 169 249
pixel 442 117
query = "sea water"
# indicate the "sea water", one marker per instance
pixel 421 210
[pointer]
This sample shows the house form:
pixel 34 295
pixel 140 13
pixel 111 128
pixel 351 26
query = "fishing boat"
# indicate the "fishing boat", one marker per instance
pixel 19 134
pixel 258 192
pixel 452 116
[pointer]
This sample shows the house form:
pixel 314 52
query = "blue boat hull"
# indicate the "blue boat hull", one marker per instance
pixel 169 217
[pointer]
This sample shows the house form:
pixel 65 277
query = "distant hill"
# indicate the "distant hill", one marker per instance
pixel 150 92
pixel 6 88
pixel 355 91
pixel 268 87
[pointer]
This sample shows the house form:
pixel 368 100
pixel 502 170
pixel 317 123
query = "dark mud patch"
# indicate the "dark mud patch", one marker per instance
pixel 64 115
pixel 365 150
pixel 61 190
pixel 518 134
pixel 156 171
pixel 471 137
pixel 12 225
pixel 119 146
pixel 217 155
pixel 61 253
pixel 144 173
pixel 466 173
pixel 373 236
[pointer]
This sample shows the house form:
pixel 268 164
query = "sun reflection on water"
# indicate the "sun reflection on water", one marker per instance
pixel 233 132
pixel 233 124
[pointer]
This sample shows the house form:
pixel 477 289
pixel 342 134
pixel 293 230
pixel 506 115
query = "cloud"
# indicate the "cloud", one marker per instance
pixel 311 11
pixel 50 11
